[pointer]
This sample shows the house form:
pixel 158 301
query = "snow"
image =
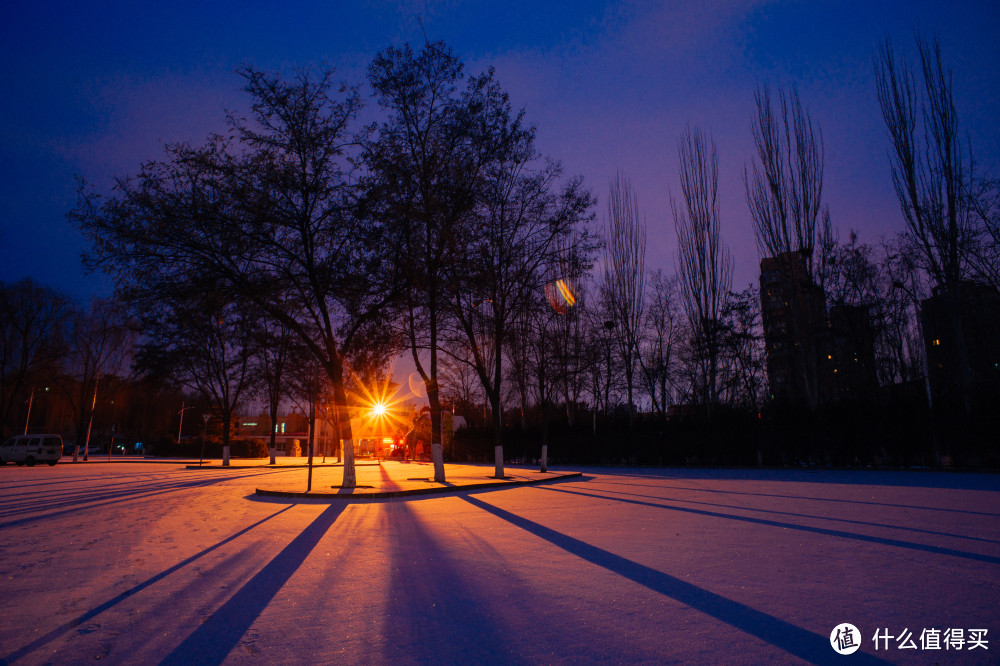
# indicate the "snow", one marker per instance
pixel 150 562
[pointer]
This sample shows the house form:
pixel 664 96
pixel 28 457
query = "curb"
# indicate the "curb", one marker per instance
pixel 269 466
pixel 437 490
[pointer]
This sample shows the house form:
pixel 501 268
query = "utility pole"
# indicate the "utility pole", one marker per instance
pixel 90 423
pixel 31 399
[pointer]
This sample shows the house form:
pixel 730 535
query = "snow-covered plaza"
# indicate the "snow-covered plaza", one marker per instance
pixel 149 562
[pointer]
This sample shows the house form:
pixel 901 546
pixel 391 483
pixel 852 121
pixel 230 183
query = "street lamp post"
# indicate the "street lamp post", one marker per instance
pixel 181 426
pixel 90 424
pixel 31 400
pixel 204 436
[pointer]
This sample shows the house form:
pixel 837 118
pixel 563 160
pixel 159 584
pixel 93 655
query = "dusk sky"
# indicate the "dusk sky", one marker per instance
pixel 94 89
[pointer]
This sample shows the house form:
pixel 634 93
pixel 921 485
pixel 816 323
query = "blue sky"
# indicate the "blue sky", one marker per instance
pixel 93 89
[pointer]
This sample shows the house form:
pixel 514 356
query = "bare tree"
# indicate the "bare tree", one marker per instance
pixel 662 331
pixel 743 348
pixel 523 222
pixel 985 201
pixel 32 318
pixel 273 219
pixel 784 187
pixel 200 340
pixel 624 276
pixel 425 164
pixel 930 169
pixel 705 265
pixel 274 347
pixel 99 346
pixel 932 174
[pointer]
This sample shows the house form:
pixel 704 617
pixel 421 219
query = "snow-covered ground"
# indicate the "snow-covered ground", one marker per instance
pixel 149 563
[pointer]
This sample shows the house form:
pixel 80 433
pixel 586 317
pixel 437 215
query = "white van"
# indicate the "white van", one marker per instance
pixel 29 449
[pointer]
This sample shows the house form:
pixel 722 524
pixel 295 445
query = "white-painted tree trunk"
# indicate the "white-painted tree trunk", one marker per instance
pixel 545 457
pixel 350 478
pixel 437 454
pixel 225 456
pixel 273 453
pixel 498 461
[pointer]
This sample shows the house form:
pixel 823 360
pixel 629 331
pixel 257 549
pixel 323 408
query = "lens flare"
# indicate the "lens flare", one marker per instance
pixel 566 292
pixel 560 295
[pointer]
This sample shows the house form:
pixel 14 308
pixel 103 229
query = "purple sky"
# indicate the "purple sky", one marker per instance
pixel 93 89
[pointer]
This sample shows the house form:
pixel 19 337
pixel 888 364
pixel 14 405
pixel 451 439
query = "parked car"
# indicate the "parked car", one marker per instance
pixel 69 448
pixel 29 449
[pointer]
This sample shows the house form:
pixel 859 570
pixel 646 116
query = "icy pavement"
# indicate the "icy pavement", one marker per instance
pixel 149 563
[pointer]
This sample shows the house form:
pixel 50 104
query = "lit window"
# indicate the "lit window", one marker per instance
pixel 936 343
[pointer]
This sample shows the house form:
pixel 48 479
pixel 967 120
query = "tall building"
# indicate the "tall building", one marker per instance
pixel 851 352
pixel 972 311
pixel 793 313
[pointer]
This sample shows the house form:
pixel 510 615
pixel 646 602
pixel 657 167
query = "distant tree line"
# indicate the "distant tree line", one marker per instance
pixel 302 248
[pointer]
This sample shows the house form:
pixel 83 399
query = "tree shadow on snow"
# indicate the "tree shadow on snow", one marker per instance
pixel 841 500
pixel 222 631
pixel 432 615
pixel 939 550
pixel 114 601
pixel 73 503
pixel 784 635
pixel 792 514
pixel 905 478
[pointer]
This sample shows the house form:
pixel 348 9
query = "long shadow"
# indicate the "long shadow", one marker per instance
pixel 222 631
pixel 784 635
pixel 105 483
pixel 868 477
pixel 799 497
pixel 428 598
pixel 115 496
pixel 938 550
pixel 114 601
pixel 808 516
pixel 51 481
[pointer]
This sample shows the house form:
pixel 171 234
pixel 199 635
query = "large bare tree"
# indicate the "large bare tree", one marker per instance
pixel 425 164
pixel 624 276
pixel 99 345
pixel 201 340
pixel 271 215
pixel 933 176
pixel 525 216
pixel 784 187
pixel 705 266
pixel 661 334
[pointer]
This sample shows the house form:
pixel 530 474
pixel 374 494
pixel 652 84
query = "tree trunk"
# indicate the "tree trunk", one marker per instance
pixel 344 417
pixel 273 434
pixel 497 440
pixel 227 416
pixel 437 436
pixel 312 438
pixel 545 439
